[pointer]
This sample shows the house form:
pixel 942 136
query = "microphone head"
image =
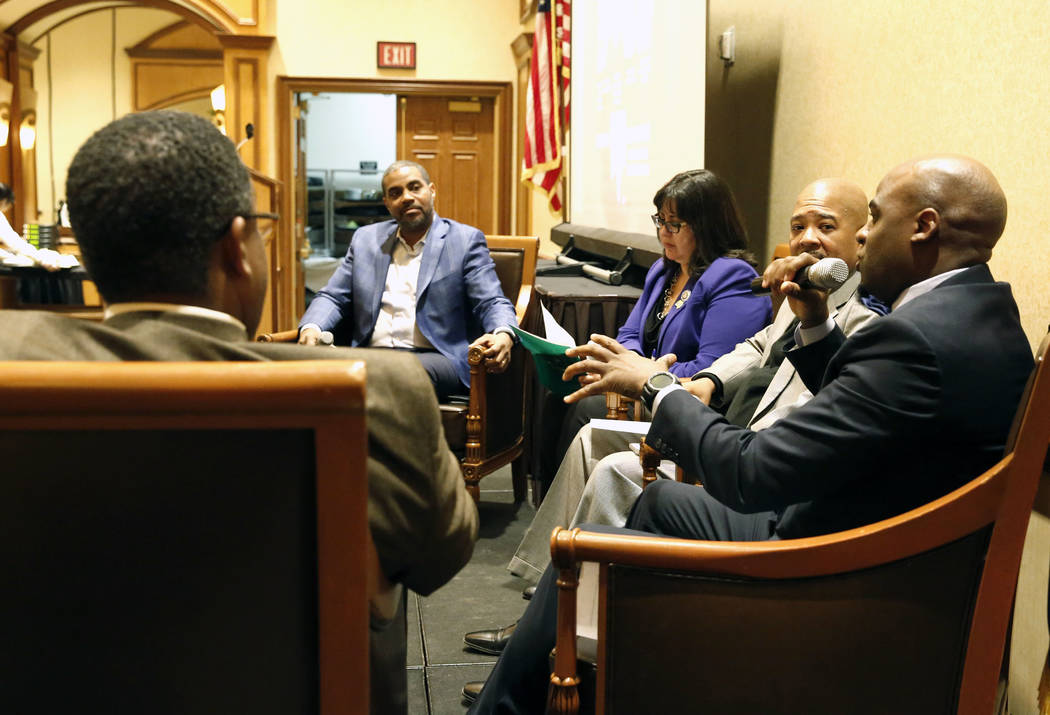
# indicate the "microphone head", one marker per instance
pixel 828 273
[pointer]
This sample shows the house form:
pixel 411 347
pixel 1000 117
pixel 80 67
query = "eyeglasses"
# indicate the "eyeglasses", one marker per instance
pixel 671 226
pixel 266 223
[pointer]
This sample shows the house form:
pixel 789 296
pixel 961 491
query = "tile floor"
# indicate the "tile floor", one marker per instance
pixel 483 595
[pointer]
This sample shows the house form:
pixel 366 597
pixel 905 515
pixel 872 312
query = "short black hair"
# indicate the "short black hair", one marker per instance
pixel 149 196
pixel 403 164
pixel 6 193
pixel 704 200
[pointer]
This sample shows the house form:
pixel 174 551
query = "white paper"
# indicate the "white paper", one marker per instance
pixel 627 426
pixel 587 612
pixel 554 332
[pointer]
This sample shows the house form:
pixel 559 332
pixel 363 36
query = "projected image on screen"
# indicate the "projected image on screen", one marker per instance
pixel 637 108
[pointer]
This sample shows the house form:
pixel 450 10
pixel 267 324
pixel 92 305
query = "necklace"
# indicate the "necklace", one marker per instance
pixel 667 296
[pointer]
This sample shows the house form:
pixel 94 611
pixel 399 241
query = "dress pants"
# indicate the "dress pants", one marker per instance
pixel 519 682
pixel 442 374
pixel 562 500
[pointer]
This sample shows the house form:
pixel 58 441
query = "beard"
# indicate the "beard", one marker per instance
pixel 417 222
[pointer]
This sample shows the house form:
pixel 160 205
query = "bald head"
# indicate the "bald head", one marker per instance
pixel 930 216
pixel 848 198
pixel 827 216
pixel 970 202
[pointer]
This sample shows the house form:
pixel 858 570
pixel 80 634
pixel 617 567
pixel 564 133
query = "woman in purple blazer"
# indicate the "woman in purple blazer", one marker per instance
pixel 697 301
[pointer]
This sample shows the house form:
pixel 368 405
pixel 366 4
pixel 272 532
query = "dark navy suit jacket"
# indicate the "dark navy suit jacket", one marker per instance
pixel 911 406
pixel 458 294
pixel 719 313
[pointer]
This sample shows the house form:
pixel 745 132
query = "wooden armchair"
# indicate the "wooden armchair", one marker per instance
pixel 486 429
pixel 905 615
pixel 185 537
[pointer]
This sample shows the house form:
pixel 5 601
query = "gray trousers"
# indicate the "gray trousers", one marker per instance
pixel 596 483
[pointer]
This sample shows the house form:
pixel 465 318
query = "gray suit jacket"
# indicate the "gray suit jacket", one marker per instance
pixel 784 391
pixel 423 522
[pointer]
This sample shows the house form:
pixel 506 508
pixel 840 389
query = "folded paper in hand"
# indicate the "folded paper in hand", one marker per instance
pixel 549 356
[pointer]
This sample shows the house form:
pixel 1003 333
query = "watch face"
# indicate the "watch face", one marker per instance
pixel 661 380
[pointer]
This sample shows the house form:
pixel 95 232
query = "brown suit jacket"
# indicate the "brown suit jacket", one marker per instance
pixel 423 522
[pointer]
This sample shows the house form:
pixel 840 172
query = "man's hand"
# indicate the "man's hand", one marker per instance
pixel 702 389
pixel 608 366
pixel 810 305
pixel 497 350
pixel 309 336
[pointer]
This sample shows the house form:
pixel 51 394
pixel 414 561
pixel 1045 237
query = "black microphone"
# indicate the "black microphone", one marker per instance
pixel 825 274
pixel 249 132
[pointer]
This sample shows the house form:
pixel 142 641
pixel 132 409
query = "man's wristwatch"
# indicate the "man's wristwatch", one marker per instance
pixel 654 384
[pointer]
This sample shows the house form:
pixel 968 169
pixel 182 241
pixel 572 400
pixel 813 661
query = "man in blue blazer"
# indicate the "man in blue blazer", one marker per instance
pixel 418 282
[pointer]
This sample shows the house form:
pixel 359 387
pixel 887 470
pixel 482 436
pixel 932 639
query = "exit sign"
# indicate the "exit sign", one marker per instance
pixel 396 55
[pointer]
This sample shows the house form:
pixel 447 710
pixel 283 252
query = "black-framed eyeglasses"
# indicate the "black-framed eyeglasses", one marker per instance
pixel 265 222
pixel 671 226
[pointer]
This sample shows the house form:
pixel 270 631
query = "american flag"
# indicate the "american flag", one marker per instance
pixel 545 114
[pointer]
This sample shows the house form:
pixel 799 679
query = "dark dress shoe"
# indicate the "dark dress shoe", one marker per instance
pixel 528 593
pixel 472 690
pixel 492 641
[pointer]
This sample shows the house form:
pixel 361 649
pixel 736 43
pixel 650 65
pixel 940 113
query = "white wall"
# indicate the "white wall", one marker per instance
pixel 637 105
pixel 343 129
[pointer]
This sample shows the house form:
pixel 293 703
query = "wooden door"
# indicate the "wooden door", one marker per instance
pixel 453 137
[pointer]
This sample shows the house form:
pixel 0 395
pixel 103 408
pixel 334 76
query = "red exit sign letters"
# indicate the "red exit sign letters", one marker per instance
pixel 396 55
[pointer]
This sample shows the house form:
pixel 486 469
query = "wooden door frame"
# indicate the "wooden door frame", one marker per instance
pixel 288 87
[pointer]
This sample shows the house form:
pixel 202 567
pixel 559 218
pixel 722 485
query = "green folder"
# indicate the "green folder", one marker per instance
pixel 550 360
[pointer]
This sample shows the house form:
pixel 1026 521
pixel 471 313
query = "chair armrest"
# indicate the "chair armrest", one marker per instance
pixel 650 460
pixel 284 336
pixel 521 306
pixel 618 407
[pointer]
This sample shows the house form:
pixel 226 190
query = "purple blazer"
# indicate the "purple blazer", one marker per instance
pixel 719 313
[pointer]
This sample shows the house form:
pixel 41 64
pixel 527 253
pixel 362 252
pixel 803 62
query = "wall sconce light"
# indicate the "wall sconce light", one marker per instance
pixel 6 93
pixel 218 107
pixel 5 123
pixel 27 131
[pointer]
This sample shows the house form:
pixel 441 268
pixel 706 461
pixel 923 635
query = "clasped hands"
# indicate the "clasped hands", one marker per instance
pixel 497 350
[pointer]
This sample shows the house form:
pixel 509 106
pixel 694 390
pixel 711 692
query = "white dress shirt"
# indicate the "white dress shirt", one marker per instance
pixel 396 324
pixel 200 311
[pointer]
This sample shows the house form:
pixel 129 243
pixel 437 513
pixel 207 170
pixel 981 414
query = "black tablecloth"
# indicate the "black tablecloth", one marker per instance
pixel 582 306
pixel 37 286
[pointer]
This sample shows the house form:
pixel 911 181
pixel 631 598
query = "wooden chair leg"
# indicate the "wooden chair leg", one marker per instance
pixel 517 472
pixel 472 478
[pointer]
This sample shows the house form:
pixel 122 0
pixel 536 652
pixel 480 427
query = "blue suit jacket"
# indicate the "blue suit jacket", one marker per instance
pixel 720 312
pixel 458 295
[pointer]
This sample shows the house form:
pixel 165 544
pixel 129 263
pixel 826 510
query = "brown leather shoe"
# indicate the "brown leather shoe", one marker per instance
pixel 472 690
pixel 491 641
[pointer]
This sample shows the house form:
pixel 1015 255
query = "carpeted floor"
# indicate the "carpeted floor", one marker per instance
pixel 483 595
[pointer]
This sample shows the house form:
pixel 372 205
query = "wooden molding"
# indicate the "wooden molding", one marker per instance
pixel 245 42
pixel 175 54
pixel 200 15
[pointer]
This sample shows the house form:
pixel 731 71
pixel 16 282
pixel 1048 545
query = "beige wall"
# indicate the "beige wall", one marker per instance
pixel 866 84
pixel 89 85
pixel 455 39
pixel 862 86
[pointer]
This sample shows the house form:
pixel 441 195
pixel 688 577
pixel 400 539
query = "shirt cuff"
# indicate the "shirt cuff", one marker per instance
pixel 808 336
pixel 509 331
pixel 663 393
pixel 315 326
